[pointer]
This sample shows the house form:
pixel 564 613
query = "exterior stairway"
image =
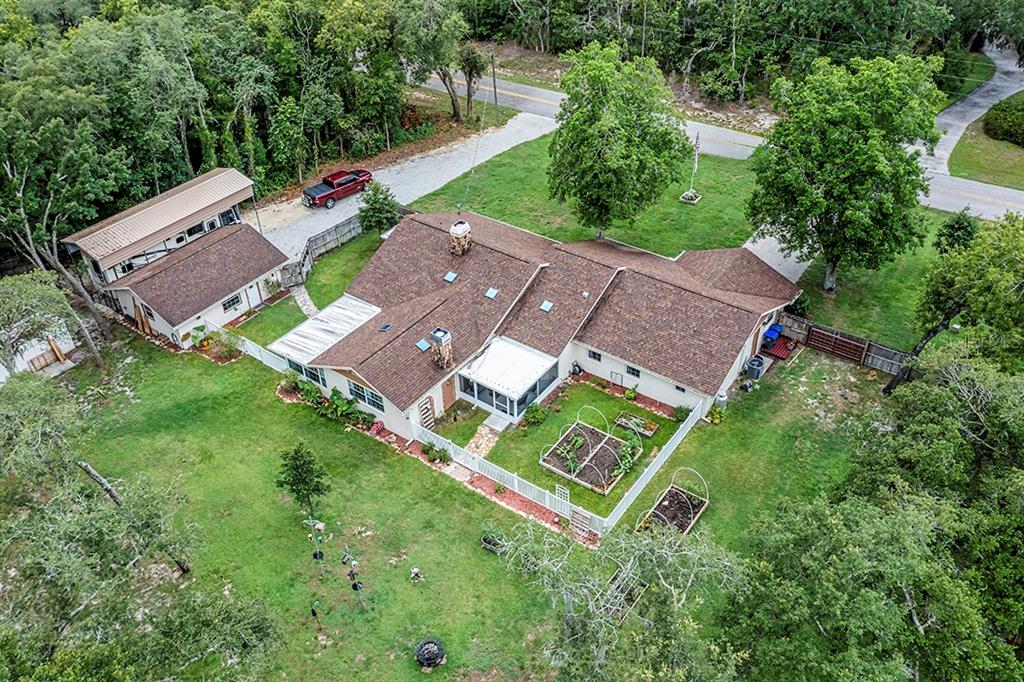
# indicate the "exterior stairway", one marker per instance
pixel 426 414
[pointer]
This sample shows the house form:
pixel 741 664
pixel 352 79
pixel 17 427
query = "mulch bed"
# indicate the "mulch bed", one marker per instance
pixel 676 507
pixel 597 462
pixel 215 358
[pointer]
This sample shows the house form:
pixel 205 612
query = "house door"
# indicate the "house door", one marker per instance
pixel 448 393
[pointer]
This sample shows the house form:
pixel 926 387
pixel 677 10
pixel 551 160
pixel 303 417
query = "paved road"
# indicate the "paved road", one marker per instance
pixel 947 193
pixel 953 121
pixel 289 224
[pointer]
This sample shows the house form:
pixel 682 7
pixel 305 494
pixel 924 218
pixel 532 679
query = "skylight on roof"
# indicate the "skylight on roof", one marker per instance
pixel 450 277
pixel 386 326
pixel 491 293
pixel 546 306
pixel 423 345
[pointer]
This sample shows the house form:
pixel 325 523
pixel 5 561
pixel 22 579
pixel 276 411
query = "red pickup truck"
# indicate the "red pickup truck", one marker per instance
pixel 336 186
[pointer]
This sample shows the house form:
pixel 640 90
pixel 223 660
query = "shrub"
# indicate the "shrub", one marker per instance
pixel 439 455
pixel 222 345
pixel 716 414
pixel 680 413
pixel 291 380
pixel 798 307
pixel 957 232
pixel 1005 121
pixel 379 210
pixel 499 488
pixel 337 406
pixel 599 382
pixel 535 414
pixel 630 393
pixel 310 392
pixel 428 450
pixel 273 286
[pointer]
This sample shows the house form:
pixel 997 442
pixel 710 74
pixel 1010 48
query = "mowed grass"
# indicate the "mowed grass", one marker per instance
pixel 981 69
pixel 878 304
pixel 215 434
pixel 333 272
pixel 979 157
pixel 519 449
pixel 784 440
pixel 513 187
pixel 272 322
pixel 460 422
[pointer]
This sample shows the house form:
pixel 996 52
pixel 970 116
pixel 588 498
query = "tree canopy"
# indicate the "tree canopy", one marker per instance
pixel 618 145
pixel 835 178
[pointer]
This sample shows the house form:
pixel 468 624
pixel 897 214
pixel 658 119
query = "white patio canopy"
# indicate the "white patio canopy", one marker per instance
pixel 507 376
pixel 323 330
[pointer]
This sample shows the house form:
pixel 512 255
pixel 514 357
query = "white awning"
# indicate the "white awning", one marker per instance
pixel 508 367
pixel 323 330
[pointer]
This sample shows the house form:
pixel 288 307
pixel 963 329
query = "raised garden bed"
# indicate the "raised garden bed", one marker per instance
pixel 588 456
pixel 622 594
pixel 645 427
pixel 676 507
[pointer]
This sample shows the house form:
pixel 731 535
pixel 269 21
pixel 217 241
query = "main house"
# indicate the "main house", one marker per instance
pixel 182 257
pixel 461 306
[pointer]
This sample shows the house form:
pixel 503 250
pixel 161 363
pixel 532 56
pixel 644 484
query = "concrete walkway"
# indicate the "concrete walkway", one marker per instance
pixel 953 121
pixel 289 224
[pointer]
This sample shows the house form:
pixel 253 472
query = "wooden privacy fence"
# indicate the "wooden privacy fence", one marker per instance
pixel 296 272
pixel 842 344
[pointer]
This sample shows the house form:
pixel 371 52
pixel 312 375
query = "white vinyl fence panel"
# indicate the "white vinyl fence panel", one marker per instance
pixel 251 348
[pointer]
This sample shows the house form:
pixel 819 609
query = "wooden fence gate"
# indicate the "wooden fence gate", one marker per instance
pixel 843 344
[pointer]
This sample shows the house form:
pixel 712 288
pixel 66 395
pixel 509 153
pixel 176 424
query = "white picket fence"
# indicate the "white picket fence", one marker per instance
pixel 550 500
pixel 634 491
pixel 251 348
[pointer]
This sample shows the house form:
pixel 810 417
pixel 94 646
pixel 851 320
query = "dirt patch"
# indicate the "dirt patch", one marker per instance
pixel 677 507
pixel 587 456
pixel 513 60
pixel 755 116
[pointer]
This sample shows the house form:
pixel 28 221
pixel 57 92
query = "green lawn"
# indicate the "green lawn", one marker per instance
pixel 978 157
pixel 879 303
pixel 519 449
pixel 272 322
pixel 214 432
pixel 513 187
pixel 982 68
pixel 778 442
pixel 460 422
pixel 333 272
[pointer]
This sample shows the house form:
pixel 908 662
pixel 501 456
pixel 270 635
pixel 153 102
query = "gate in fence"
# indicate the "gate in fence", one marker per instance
pixel 842 344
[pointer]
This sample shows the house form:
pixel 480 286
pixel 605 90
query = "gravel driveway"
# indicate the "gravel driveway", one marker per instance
pixel 289 224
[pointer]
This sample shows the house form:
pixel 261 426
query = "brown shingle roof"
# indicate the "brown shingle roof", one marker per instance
pixel 685 319
pixel 405 278
pixel 203 272
pixel 144 224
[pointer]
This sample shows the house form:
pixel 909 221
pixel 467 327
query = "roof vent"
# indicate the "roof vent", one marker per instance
pixel 384 327
pixel 459 238
pixel 441 340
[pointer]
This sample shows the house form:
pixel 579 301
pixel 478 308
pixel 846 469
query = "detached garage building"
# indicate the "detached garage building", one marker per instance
pixel 181 257
pixel 217 277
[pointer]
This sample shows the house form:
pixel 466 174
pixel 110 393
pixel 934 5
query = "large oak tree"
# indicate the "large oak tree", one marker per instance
pixel 835 178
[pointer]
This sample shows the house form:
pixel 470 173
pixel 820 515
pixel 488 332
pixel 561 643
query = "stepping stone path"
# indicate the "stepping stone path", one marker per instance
pixel 482 441
pixel 305 302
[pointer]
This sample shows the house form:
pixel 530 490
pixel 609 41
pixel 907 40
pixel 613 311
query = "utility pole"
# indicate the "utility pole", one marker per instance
pixel 643 39
pixel 494 85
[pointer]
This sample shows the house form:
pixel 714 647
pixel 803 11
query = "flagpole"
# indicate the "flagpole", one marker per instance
pixel 696 156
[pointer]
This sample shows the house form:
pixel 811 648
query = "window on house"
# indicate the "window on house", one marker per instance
pixel 632 371
pixel 366 396
pixel 179 238
pixel 314 374
pixel 149 311
pixel 96 267
pixel 231 302
pixel 594 355
pixel 228 217
pixel 194 230
pixel 680 388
